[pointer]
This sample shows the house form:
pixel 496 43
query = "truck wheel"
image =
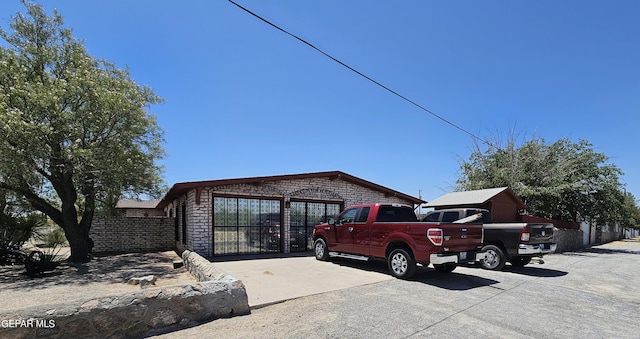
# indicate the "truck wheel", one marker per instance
pixel 321 250
pixel 494 259
pixel 446 268
pixel 401 263
pixel 520 261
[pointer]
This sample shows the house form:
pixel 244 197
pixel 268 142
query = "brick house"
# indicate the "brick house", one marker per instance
pixel 271 214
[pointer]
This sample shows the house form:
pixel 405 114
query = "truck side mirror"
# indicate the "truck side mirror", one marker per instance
pixel 332 221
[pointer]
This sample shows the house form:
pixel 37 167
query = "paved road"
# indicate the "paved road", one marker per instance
pixel 590 294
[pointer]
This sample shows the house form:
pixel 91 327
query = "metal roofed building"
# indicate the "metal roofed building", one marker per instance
pixel 502 202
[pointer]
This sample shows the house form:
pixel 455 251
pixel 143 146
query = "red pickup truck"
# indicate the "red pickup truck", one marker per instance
pixel 392 232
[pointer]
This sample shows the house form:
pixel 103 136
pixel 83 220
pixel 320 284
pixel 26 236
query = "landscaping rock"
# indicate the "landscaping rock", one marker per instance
pixel 143 281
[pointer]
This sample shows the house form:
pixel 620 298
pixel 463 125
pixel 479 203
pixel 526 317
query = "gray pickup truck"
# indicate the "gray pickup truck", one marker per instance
pixel 513 242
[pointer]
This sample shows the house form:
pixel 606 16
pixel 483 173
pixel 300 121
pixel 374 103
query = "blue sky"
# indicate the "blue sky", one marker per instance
pixel 243 99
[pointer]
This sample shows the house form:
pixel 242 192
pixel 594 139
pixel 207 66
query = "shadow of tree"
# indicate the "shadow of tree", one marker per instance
pixel 108 269
pixel 606 250
pixel 533 271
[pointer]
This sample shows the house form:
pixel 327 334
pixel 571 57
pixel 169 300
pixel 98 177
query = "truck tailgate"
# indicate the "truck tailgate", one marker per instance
pixel 461 237
pixel 540 233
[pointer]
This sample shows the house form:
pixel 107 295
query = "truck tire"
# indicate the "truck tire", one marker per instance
pixel 446 268
pixel 321 250
pixel 401 263
pixel 520 261
pixel 494 260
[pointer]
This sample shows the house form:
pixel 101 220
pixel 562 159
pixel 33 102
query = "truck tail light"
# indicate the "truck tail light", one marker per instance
pixel 435 236
pixel 525 235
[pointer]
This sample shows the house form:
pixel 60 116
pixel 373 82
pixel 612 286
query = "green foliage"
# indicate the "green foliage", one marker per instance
pixel 631 211
pixel 54 238
pixel 562 180
pixel 16 230
pixel 74 130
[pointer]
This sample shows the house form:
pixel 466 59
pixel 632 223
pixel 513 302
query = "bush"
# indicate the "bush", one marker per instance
pixel 55 238
pixel 15 231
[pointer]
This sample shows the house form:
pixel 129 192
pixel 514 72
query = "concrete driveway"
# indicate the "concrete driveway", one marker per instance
pixel 274 280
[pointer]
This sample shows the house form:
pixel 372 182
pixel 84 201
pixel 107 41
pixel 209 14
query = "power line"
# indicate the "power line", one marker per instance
pixel 361 74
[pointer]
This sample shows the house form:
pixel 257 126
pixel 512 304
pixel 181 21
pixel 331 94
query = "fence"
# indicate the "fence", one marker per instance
pixel 122 234
pixel 557 223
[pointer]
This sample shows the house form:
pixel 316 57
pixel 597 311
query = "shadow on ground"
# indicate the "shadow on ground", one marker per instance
pixel 454 281
pixel 602 250
pixel 109 269
pixel 534 271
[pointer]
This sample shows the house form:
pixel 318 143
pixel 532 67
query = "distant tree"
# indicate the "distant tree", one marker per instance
pixel 631 211
pixel 74 130
pixel 562 180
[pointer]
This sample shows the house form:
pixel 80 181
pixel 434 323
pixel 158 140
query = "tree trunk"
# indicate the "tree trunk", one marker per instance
pixel 78 243
pixel 76 235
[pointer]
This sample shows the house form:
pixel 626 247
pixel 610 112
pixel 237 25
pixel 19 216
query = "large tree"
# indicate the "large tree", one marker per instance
pixel 562 180
pixel 74 130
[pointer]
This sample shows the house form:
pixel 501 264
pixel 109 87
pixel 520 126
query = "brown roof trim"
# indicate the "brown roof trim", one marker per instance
pixel 182 187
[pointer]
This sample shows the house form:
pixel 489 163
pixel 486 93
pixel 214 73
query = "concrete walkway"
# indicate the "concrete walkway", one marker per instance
pixel 273 280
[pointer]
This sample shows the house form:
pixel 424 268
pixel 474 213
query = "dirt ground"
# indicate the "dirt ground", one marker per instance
pixel 103 275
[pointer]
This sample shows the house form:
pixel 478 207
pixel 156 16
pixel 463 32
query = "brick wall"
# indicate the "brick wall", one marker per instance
pixel 122 234
pixel 143 212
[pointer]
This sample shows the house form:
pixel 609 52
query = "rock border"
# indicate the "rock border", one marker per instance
pixel 150 310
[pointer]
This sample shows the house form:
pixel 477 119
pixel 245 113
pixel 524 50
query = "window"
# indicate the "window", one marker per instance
pixel 395 214
pixel 433 217
pixel 486 217
pixel 363 215
pixel 246 226
pixel 304 216
pixel 450 216
pixel 176 230
pixel 347 216
pixel 184 223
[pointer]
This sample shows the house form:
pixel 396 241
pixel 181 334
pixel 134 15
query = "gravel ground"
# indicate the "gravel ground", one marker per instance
pixel 102 276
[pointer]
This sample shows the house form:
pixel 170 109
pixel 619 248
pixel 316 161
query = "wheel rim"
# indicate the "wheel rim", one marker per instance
pixel 319 249
pixel 492 259
pixel 399 263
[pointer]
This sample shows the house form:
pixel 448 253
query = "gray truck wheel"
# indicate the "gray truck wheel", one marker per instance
pixel 494 259
pixel 321 250
pixel 401 263
pixel 520 261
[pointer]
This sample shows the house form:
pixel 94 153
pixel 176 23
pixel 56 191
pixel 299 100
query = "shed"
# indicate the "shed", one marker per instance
pixel 502 202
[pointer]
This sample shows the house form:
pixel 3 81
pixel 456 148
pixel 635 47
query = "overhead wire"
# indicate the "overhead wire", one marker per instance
pixel 362 74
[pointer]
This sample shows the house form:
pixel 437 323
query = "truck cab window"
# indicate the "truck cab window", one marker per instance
pixel 363 215
pixel 433 217
pixel 347 216
pixel 395 214
pixel 450 216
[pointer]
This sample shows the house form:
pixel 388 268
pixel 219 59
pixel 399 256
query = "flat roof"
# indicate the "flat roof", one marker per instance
pixel 142 204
